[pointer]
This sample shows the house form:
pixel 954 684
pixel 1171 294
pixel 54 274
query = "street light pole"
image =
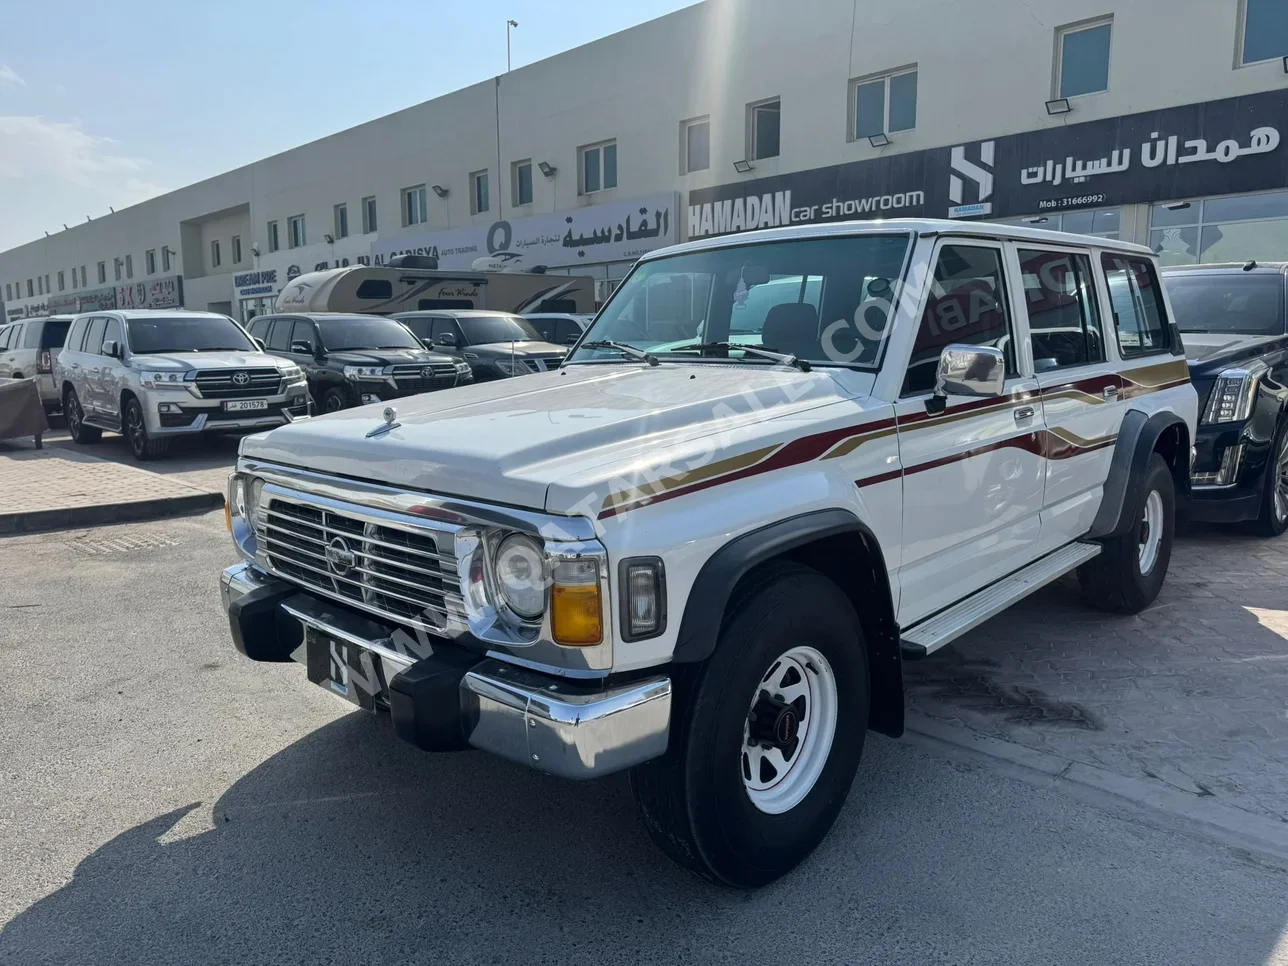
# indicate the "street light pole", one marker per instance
pixel 508 25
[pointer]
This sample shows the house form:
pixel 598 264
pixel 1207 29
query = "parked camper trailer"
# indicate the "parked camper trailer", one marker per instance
pixel 413 283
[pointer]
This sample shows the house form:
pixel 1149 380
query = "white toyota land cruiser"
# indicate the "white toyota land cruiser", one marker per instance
pixel 775 467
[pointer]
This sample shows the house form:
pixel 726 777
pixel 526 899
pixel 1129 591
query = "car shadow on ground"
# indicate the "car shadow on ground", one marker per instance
pixel 199 452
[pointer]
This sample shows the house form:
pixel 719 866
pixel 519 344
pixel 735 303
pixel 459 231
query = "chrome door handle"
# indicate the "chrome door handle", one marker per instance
pixel 1023 413
pixel 1111 392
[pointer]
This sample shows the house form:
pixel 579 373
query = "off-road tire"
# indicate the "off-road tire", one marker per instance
pixel 76 428
pixel 1114 580
pixel 693 800
pixel 135 430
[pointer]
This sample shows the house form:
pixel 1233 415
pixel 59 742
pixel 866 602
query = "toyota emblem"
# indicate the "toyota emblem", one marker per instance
pixel 241 378
pixel 427 373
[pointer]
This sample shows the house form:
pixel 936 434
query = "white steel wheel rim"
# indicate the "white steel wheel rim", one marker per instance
pixel 1151 531
pixel 776 778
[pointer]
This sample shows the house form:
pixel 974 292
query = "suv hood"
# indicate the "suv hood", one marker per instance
pixel 546 440
pixel 1210 350
pixel 206 360
pixel 384 357
pixel 522 350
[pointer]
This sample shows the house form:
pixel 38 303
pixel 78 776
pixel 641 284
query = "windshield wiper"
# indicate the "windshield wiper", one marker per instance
pixel 639 355
pixel 783 357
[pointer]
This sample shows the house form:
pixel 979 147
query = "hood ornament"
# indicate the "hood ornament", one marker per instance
pixel 391 415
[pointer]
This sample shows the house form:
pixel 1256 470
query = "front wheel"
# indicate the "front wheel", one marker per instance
pixel 333 400
pixel 1273 519
pixel 1128 574
pixel 765 736
pixel 142 446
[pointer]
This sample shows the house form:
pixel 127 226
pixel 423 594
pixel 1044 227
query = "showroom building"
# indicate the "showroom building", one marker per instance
pixel 1159 121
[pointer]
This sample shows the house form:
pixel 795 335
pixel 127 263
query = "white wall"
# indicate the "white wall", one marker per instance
pixel 985 69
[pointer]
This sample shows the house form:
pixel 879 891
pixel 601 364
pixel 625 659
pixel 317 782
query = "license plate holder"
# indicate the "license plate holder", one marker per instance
pixel 245 405
pixel 344 669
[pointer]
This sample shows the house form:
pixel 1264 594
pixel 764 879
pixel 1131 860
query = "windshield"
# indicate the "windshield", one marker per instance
pixel 365 332
pixel 177 334
pixel 1242 303
pixel 824 300
pixel 482 329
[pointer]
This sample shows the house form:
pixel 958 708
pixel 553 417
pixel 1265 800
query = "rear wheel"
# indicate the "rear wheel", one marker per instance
pixel 765 735
pixel 1129 572
pixel 1273 519
pixel 136 434
pixel 76 428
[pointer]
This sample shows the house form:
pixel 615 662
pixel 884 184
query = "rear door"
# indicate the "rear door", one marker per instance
pixel 9 354
pixel 973 474
pixel 1079 382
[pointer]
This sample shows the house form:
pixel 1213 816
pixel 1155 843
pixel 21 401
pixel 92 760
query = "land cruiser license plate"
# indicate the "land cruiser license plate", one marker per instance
pixel 342 668
pixel 244 405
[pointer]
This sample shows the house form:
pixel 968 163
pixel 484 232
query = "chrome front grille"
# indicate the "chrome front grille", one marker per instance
pixel 401 573
pixel 239 383
pixel 438 375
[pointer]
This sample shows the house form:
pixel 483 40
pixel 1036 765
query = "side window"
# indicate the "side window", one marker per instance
pixel 75 336
pixel 545 328
pixel 440 325
pixel 566 332
pixel 94 337
pixel 259 329
pixel 15 335
pixel 32 338
pixel 1064 319
pixel 279 337
pixel 967 305
pixel 303 332
pixel 419 325
pixel 4 336
pixel 1137 299
pixel 113 331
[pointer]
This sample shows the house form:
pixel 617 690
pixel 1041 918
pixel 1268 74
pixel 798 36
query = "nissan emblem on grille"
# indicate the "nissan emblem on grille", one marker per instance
pixel 339 557
pixel 241 378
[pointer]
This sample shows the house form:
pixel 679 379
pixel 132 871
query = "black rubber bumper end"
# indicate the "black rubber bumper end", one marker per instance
pixel 261 629
pixel 425 701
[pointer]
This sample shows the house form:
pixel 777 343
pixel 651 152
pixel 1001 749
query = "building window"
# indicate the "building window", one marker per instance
pixel 84 280
pixel 40 285
pixel 1231 229
pixel 1103 222
pixel 8 291
pixel 1082 58
pixel 479 201
pixel 368 215
pixel 150 261
pixel 165 259
pixel 295 231
pixel 695 144
pixel 214 253
pixel 763 121
pixel 102 273
pixel 598 167
pixel 237 254
pixel 117 265
pixel 62 281
pixel 1265 31
pixel 129 266
pixel 415 211
pixel 341 222
pixel 522 188
pixel 31 289
pixel 274 243
pixel 885 104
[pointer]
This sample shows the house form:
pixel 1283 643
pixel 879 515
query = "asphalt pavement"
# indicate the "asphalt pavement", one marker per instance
pixel 163 800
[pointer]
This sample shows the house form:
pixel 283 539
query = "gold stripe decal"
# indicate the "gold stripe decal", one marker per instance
pixel 652 488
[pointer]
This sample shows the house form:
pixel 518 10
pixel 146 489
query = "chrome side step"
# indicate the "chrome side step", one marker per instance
pixel 939 629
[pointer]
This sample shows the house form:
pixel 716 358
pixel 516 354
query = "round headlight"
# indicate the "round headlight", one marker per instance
pixel 519 569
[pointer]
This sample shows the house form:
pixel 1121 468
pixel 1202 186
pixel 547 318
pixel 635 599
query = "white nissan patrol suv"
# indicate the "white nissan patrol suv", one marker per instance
pixel 775 467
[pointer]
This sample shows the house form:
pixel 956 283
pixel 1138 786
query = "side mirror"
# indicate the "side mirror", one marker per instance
pixel 446 338
pixel 968 370
pixel 304 348
pixel 112 348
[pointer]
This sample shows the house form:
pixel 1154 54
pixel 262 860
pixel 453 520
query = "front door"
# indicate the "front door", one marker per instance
pixel 1079 382
pixel 973 474
pixel 111 378
pixel 92 368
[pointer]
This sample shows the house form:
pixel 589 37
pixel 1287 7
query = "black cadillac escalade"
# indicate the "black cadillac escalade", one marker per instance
pixel 1233 323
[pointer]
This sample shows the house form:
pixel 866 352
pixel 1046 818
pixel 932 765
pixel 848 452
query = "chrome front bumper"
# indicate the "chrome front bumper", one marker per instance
pixel 554 725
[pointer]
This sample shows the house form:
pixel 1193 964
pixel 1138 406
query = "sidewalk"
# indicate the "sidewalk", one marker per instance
pixel 54 488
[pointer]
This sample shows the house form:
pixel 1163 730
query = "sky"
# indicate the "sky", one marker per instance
pixel 110 104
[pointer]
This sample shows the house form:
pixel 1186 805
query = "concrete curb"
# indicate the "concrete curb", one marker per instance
pixel 94 515
pixel 1233 826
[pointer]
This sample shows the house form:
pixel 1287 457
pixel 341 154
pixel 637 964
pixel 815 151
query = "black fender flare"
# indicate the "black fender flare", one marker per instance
pixel 1137 440
pixel 711 590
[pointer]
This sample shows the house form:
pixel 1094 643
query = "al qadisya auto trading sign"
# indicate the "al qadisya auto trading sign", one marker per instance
pixel 1219 147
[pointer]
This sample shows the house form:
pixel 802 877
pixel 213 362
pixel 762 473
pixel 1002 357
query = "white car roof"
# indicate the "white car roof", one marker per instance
pixel 153 314
pixel 918 226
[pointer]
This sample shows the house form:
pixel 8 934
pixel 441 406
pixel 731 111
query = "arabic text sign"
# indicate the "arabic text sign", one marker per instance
pixel 619 231
pixel 159 293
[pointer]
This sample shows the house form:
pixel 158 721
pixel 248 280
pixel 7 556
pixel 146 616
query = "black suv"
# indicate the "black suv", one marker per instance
pixel 355 359
pixel 1233 323
pixel 496 345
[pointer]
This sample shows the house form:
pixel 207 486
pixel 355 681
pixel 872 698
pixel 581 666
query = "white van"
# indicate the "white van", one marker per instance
pixel 412 283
